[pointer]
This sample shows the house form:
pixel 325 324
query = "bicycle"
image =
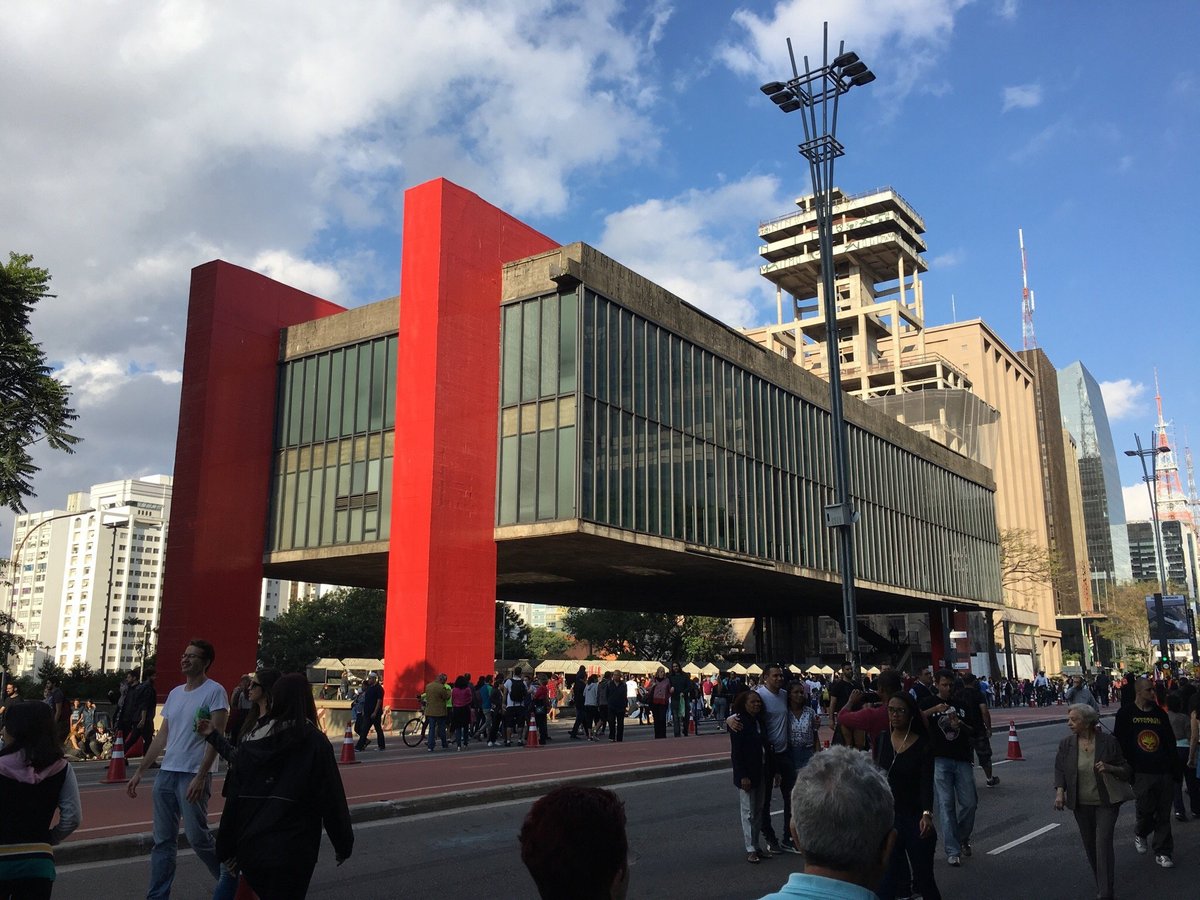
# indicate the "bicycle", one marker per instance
pixel 415 728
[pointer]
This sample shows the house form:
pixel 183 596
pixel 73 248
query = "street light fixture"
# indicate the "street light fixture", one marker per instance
pixel 1160 613
pixel 817 92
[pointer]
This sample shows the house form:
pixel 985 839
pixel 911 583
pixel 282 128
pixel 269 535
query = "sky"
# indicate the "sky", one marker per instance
pixel 143 139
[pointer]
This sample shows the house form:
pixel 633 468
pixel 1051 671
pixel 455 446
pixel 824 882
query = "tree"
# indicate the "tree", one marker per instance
pixel 11 643
pixel 1026 566
pixel 512 637
pixel 1126 623
pixel 634 635
pixel 547 644
pixel 344 622
pixel 34 405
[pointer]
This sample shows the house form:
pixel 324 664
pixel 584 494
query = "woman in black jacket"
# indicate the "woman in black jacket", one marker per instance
pixel 283 784
pixel 904 752
pixel 747 750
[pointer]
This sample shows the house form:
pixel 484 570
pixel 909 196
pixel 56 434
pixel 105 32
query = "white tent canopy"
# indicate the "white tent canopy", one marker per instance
pixel 692 669
pixel 599 666
pixel 754 669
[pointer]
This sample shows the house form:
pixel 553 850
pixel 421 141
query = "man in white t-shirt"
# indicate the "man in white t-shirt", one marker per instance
pixel 183 785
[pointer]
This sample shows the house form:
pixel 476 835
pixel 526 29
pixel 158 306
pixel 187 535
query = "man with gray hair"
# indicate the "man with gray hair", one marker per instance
pixel 842 814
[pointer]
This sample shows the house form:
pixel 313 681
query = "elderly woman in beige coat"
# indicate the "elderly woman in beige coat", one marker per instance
pixel 1092 779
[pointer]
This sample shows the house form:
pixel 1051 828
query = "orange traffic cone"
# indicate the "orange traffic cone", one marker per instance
pixel 531 735
pixel 348 748
pixel 244 891
pixel 691 726
pixel 1014 745
pixel 116 768
pixel 137 748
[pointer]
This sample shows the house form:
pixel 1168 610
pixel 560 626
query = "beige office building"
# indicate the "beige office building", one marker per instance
pixel 959 384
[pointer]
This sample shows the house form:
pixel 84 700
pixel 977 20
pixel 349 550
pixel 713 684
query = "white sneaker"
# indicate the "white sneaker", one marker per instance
pixel 1165 861
pixel 491 743
pixel 953 861
pixel 1139 844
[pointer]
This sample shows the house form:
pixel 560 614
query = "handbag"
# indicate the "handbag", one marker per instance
pixel 1118 790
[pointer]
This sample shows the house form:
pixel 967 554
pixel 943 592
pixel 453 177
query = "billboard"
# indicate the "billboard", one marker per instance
pixel 1175 618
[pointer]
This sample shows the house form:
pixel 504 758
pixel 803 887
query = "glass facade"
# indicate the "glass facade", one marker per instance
pixel 333 447
pixel 676 441
pixel 538 403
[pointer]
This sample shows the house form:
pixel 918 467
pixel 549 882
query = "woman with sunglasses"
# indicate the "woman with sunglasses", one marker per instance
pixel 904 752
pixel 255 719
pixel 284 785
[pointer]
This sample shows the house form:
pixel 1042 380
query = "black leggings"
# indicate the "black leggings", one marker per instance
pixel 26 889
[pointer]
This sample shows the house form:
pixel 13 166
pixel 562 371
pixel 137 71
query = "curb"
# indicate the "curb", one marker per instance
pixel 129 845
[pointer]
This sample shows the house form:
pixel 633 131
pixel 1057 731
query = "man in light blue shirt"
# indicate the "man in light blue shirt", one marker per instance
pixel 842 814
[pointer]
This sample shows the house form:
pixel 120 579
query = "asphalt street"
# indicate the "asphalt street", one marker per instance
pixel 685 843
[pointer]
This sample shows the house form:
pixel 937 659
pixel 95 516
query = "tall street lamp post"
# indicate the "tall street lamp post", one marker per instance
pixel 816 92
pixel 1160 614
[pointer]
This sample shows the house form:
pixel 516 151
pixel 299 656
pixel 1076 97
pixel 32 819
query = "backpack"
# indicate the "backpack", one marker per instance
pixel 516 691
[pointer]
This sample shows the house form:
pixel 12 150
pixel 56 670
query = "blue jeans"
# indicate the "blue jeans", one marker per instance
pixel 955 797
pixel 227 886
pixel 437 729
pixel 171 805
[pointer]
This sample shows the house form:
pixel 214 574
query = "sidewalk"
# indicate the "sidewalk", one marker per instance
pixel 404 781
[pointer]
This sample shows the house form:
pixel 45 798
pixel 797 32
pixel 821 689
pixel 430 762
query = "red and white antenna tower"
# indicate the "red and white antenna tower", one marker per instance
pixel 1193 497
pixel 1170 501
pixel 1028 340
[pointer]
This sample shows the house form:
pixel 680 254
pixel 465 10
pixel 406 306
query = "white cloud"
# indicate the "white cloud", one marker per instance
pixel 142 140
pixel 696 246
pixel 949 259
pixel 1022 96
pixel 902 41
pixel 1137 502
pixel 1007 9
pixel 1122 398
pixel 302 274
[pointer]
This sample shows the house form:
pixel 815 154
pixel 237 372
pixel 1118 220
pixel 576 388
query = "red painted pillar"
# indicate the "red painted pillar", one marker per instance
pixel 223 459
pixel 442 555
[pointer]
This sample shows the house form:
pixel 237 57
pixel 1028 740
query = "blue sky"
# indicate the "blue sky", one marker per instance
pixel 280 136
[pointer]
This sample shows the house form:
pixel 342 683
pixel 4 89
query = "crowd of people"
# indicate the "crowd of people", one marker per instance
pixel 908 745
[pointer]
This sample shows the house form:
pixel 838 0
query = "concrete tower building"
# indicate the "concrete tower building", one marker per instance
pixel 959 384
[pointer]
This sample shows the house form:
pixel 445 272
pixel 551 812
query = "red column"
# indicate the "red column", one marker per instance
pixel 442 557
pixel 223 457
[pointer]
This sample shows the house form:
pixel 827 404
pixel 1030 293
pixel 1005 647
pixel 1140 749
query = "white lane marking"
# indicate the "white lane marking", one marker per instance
pixel 1021 840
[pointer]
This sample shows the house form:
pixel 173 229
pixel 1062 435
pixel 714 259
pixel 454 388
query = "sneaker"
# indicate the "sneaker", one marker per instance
pixel 966 848
pixel 789 847
pixel 491 743
pixel 1165 861
pixel 430 749
pixel 1139 844
pixel 773 848
pixel 993 781
pixel 953 860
